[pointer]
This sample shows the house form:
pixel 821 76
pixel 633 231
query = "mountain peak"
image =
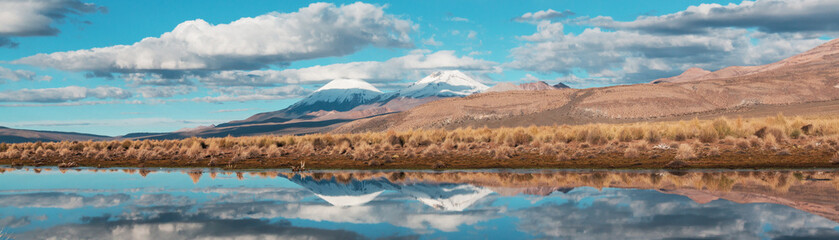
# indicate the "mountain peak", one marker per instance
pixel 338 95
pixel 444 84
pixel 348 84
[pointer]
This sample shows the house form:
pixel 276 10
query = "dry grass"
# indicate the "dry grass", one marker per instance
pixel 774 134
pixel 685 152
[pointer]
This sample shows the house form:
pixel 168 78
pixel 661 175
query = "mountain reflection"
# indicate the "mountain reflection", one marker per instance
pixel 144 204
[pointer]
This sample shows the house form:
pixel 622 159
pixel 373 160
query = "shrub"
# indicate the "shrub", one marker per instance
pixel 743 144
pixel 625 135
pixel 596 136
pixel 547 149
pixel 685 152
pixel 722 127
pixel 504 152
pixel 432 150
pixel 708 135
pixel 518 138
pixel 653 136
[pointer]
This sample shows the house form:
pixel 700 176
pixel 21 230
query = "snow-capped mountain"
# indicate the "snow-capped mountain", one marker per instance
pixel 446 197
pixel 444 84
pixel 353 193
pixel 338 95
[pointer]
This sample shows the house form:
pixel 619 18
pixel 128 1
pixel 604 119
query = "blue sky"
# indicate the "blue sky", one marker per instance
pixel 62 66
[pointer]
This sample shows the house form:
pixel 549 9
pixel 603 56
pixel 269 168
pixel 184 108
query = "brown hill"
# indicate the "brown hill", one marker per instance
pixel 807 78
pixel 9 135
pixel 313 122
pixel 689 75
pixel 536 86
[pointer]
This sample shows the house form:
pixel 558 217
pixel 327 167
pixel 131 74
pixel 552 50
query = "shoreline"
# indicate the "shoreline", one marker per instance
pixel 654 160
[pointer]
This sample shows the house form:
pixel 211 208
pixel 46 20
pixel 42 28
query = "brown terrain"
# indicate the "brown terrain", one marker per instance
pixel 532 86
pixel 9 135
pixel 805 81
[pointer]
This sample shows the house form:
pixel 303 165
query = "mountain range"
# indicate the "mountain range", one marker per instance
pixel 802 84
pixel 807 83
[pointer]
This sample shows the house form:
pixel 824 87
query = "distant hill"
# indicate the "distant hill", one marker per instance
pixel 10 135
pixel 806 83
pixel 531 86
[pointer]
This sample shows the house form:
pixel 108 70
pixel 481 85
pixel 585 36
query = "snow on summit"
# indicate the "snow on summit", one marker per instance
pixel 444 84
pixel 348 84
pixel 338 95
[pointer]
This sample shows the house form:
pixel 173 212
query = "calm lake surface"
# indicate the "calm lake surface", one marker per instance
pixel 189 204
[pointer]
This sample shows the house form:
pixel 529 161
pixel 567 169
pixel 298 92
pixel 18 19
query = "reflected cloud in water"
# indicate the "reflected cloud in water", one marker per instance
pixel 145 204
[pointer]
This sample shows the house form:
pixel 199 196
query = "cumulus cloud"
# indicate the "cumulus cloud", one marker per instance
pixel 60 200
pixel 319 30
pixel 243 94
pixel 164 91
pixel 632 214
pixel 416 64
pixel 431 42
pixel 171 226
pixel 15 75
pixel 543 15
pixel 769 16
pixel 21 18
pixel 632 54
pixel 63 94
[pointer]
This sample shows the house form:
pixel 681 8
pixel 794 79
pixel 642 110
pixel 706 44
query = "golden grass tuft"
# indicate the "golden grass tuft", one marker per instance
pixel 685 152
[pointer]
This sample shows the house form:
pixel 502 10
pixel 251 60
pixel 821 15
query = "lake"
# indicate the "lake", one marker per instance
pixel 88 203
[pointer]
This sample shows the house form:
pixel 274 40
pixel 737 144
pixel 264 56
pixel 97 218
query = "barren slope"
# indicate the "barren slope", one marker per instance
pixel 810 77
pixel 9 135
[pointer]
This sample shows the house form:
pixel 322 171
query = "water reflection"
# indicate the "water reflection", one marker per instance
pixel 178 204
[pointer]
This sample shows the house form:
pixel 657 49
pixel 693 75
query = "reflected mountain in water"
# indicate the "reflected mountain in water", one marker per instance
pixel 353 192
pixel 201 203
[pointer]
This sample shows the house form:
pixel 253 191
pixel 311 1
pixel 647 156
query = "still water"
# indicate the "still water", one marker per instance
pixel 198 204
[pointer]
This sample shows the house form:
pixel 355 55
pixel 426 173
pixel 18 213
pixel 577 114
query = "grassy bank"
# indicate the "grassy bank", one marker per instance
pixel 777 141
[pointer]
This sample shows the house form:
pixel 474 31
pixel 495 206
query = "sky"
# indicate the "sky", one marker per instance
pixel 115 67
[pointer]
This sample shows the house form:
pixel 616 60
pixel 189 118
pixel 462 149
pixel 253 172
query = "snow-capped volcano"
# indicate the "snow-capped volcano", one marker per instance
pixel 338 95
pixel 447 197
pixel 353 193
pixel 444 84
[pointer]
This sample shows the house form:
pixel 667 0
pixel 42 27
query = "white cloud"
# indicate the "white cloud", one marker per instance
pixel 627 56
pixel 416 64
pixel 319 30
pixel 60 200
pixel 458 19
pixel 770 16
pixel 15 75
pixel 125 122
pixel 243 94
pixel 543 15
pixel 63 94
pixel 431 42
pixel 472 35
pixel 21 18
pixel 164 91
